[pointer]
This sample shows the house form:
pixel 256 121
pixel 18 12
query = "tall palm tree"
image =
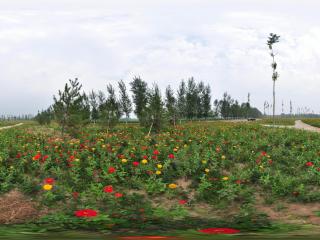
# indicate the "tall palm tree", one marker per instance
pixel 273 38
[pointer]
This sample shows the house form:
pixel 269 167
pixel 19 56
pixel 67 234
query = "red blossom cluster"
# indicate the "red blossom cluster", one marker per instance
pixel 49 181
pixel 85 213
pixel 219 231
pixel 109 189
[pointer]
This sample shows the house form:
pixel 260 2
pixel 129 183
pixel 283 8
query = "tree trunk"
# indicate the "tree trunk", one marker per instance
pixel 274 102
pixel 150 129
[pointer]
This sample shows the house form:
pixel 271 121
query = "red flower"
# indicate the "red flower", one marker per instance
pixel 309 164
pixel 219 231
pixel 75 195
pixel 218 149
pixel 145 157
pixel 136 164
pixel 85 213
pixel 108 189
pixel 263 153
pixel 238 181
pixel 111 170
pixel 182 202
pixel 118 195
pixel 171 156
pixel 156 152
pixel 49 181
pixel 154 157
pixel 37 157
pixel 18 155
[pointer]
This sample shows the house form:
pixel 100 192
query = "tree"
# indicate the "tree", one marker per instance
pixel 44 117
pixel 93 99
pixel 225 105
pixel 206 101
pixel 109 109
pixel 155 110
pixel 125 103
pixel 140 97
pixel 191 99
pixel 181 101
pixel 199 102
pixel 69 109
pixel 171 105
pixel 248 106
pixel 273 38
pixel 85 108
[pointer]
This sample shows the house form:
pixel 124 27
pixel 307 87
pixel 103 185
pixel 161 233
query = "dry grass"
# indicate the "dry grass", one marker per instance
pixel 17 208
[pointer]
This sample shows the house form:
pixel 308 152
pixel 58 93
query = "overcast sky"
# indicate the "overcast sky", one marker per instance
pixel 44 43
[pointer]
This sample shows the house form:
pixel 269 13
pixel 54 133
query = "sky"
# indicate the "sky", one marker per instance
pixel 43 43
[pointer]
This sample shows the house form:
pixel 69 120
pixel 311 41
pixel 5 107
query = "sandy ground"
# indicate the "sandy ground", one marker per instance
pixel 19 124
pixel 298 125
pixel 301 125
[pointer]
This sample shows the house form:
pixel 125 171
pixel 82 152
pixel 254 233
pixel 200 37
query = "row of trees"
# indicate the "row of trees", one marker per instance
pixel 16 117
pixel 74 108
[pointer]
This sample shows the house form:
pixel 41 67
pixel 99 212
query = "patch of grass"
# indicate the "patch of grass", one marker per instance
pixel 312 121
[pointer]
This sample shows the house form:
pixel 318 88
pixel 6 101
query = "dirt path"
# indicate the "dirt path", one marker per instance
pixel 298 125
pixel 16 125
pixel 301 125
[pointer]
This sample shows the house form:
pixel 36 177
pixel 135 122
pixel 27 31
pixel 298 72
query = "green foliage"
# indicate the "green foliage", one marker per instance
pixel 125 102
pixel 213 162
pixel 171 106
pixel 140 96
pixel 44 117
pixel 71 108
pixel 110 111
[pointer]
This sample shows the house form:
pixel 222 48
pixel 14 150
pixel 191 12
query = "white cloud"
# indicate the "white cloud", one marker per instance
pixel 43 45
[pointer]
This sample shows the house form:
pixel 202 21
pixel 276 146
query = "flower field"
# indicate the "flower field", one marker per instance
pixel 191 175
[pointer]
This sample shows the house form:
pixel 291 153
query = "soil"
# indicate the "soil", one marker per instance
pixel 295 213
pixel 15 207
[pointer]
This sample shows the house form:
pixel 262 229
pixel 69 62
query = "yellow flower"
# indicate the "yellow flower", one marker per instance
pixel 225 178
pixel 172 185
pixel 204 161
pixel 223 157
pixel 185 145
pixel 207 170
pixel 103 146
pixel 77 160
pixel 159 166
pixel 93 149
pixel 123 160
pixel 47 187
pixel 158 172
pixel 144 161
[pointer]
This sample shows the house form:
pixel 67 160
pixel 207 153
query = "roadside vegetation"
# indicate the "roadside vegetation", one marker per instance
pixel 315 122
